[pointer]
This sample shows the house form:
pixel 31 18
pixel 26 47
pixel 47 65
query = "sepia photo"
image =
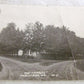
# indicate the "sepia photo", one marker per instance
pixel 41 43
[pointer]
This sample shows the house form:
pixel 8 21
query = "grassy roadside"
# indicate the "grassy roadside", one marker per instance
pixel 23 59
pixel 80 65
pixel 42 62
pixel 1 67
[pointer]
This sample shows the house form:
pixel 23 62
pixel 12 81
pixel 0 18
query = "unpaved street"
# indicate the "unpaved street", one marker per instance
pixel 12 70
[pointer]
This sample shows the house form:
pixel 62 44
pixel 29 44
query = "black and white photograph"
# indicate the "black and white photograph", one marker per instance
pixel 41 43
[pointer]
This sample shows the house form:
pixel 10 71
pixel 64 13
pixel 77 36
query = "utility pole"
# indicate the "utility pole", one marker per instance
pixel 71 50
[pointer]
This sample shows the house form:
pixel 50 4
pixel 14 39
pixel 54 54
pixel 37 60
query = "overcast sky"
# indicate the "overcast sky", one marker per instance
pixel 22 15
pixel 72 17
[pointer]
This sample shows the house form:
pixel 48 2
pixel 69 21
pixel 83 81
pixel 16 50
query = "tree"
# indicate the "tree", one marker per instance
pixel 11 39
pixel 76 43
pixel 28 36
pixel 38 37
pixel 34 36
pixel 56 43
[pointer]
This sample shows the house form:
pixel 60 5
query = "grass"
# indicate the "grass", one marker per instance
pixel 49 62
pixel 44 62
pixel 80 65
pixel 24 59
pixel 1 67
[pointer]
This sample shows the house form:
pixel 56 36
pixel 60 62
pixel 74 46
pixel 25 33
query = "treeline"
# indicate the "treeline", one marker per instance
pixel 50 41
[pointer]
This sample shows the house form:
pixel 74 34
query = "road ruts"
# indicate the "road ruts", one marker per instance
pixel 12 70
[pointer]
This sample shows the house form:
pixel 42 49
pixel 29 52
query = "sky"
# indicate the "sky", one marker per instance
pixel 72 17
pixel 22 15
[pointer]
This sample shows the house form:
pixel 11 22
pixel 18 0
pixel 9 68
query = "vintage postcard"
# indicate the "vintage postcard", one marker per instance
pixel 41 43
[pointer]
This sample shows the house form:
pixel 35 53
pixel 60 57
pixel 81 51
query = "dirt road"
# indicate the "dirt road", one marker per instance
pixel 14 70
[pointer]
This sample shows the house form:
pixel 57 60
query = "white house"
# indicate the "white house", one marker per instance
pixel 20 52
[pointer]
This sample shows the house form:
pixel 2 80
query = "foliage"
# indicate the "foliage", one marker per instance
pixel 50 41
pixel 11 39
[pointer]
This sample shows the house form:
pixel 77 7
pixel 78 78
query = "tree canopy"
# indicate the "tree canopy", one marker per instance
pixel 11 39
pixel 57 42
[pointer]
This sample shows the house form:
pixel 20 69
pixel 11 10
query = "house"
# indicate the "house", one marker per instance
pixel 32 53
pixel 20 52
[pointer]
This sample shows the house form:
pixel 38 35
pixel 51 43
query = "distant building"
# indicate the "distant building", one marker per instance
pixel 32 53
pixel 20 52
